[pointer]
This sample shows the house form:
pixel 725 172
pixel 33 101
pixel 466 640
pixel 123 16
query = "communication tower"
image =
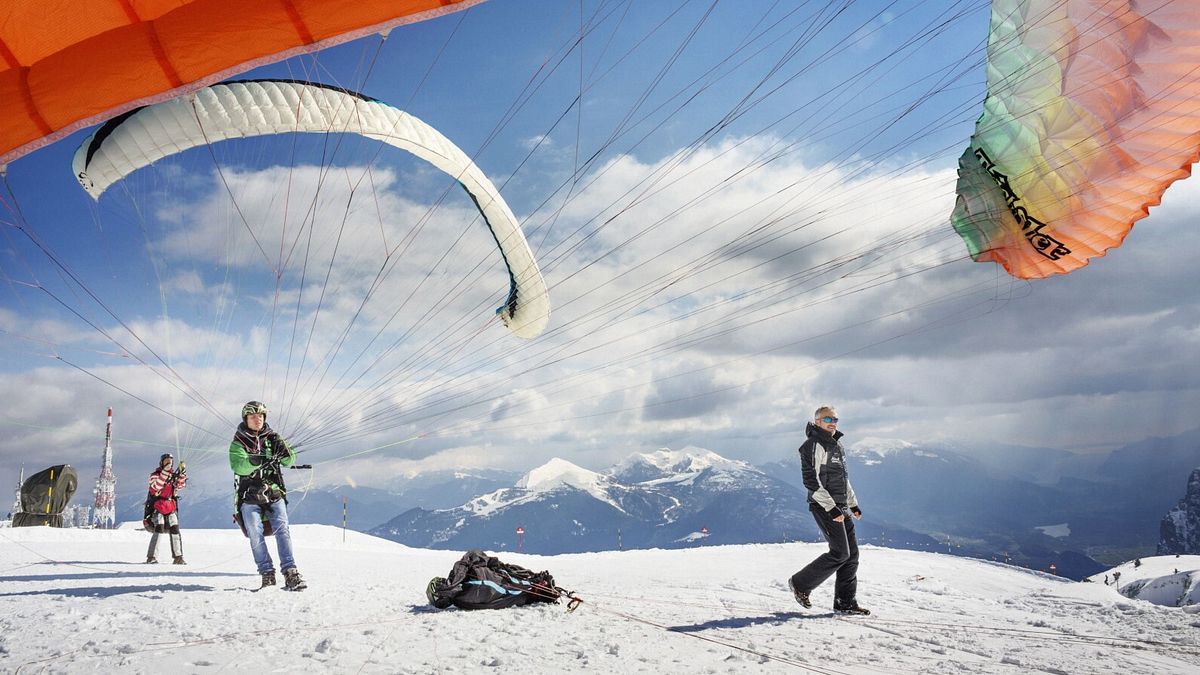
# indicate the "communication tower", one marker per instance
pixel 104 514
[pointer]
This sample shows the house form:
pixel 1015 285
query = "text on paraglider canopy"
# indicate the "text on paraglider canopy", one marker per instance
pixel 1042 242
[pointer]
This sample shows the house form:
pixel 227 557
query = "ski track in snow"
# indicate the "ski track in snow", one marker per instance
pixel 75 601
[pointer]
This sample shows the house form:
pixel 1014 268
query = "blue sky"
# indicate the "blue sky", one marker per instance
pixel 746 217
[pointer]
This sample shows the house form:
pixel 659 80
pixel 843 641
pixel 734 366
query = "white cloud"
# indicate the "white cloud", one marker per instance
pixel 718 306
pixel 537 141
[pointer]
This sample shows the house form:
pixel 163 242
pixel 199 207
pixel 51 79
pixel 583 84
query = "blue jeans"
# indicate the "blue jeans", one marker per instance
pixel 277 514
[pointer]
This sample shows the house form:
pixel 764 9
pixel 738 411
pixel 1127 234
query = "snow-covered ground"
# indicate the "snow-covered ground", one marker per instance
pixel 1169 580
pixel 76 601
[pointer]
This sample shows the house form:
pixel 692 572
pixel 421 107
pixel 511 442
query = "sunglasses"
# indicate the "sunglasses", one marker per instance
pixel 829 420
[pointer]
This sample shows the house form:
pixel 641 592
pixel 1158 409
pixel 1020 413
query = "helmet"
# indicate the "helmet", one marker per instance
pixel 254 407
pixel 165 457
pixel 434 592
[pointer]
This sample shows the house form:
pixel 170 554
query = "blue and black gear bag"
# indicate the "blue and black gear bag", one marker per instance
pixel 480 581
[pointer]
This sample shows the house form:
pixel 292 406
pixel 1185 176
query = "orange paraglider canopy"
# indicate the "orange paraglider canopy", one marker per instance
pixel 67 64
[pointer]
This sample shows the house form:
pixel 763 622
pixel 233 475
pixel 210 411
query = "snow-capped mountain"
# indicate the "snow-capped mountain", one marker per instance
pixel 873 450
pixel 559 473
pixel 664 498
pixel 663 463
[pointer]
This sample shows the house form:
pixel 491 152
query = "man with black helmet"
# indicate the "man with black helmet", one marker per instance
pixel 164 483
pixel 257 455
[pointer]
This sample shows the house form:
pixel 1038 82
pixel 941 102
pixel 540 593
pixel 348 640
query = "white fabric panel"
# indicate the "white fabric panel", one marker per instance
pixel 246 109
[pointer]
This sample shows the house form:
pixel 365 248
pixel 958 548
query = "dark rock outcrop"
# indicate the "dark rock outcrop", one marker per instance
pixel 1180 528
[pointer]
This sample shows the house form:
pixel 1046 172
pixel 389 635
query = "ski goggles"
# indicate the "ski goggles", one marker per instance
pixel 829 420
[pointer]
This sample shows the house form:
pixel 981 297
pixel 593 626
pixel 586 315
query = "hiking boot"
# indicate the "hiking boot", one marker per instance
pixel 151 560
pixel 178 560
pixel 852 608
pixel 801 596
pixel 268 579
pixel 292 580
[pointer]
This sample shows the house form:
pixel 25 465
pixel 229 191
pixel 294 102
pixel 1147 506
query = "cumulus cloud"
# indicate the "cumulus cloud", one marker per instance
pixel 704 297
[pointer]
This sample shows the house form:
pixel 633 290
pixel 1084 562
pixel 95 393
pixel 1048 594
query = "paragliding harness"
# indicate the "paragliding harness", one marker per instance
pixel 480 581
pixel 151 498
pixel 255 490
pixel 265 484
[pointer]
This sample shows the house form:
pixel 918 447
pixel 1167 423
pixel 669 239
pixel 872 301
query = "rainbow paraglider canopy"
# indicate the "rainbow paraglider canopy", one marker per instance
pixel 1092 111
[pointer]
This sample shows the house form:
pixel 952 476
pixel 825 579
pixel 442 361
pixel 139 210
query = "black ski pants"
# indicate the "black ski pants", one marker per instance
pixel 842 558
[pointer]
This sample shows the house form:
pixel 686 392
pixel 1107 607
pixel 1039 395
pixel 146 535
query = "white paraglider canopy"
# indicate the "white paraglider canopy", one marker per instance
pixel 264 107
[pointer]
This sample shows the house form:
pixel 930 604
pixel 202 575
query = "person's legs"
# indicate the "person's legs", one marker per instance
pixel 827 563
pixel 152 552
pixel 252 519
pixel 176 539
pixel 846 589
pixel 278 515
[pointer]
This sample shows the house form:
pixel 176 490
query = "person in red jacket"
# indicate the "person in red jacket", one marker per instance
pixel 165 484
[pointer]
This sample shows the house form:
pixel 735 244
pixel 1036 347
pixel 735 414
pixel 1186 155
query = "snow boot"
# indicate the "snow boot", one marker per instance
pixel 178 560
pixel 801 596
pixel 852 608
pixel 292 580
pixel 268 579
pixel 151 560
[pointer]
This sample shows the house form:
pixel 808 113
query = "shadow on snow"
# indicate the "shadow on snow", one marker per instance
pixel 126 575
pixel 746 621
pixel 109 591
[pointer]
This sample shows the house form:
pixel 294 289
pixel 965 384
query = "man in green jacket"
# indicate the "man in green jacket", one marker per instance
pixel 256 455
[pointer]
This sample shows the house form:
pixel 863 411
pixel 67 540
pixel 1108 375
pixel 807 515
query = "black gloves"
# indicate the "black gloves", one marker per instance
pixel 279 447
pixel 839 511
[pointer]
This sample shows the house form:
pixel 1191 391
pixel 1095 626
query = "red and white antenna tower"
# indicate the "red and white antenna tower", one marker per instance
pixel 104 513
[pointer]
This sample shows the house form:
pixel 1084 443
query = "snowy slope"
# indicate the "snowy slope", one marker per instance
pixel 72 601
pixel 1169 580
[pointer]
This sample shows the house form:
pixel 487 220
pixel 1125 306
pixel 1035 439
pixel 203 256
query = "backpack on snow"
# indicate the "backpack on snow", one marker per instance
pixel 480 581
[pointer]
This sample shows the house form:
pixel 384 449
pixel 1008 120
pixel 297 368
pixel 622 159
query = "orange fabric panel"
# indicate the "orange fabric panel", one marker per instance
pixel 197 36
pixel 149 10
pixel 78 63
pixel 20 118
pixel 69 85
pixel 327 18
pixel 34 30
